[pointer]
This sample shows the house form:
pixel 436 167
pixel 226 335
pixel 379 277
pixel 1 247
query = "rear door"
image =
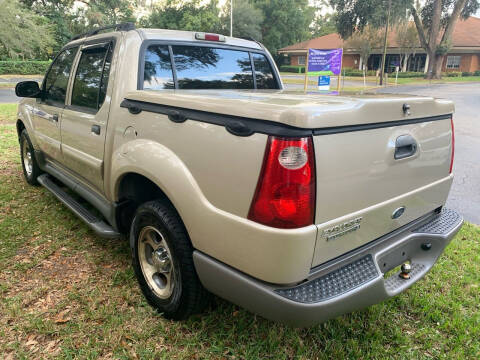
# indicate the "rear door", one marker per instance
pixel 85 117
pixel 49 109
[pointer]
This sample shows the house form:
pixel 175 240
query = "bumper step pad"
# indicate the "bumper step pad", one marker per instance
pixel 442 224
pixel 333 284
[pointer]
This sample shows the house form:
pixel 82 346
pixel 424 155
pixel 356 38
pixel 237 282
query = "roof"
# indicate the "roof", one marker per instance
pixel 466 34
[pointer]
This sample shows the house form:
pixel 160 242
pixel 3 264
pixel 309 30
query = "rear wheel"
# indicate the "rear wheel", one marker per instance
pixel 31 170
pixel 163 263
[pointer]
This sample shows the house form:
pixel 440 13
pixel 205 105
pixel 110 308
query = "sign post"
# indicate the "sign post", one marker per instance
pixel 305 86
pixel 323 63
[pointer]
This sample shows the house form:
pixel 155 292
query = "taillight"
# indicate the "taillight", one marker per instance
pixel 285 194
pixel 453 145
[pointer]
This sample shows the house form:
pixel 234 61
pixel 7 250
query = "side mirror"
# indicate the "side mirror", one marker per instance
pixel 28 89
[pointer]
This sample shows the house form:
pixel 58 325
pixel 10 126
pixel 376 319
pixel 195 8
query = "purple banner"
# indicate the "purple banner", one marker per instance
pixel 325 62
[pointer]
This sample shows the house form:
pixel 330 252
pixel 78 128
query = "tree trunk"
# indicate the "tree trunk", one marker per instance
pixel 385 42
pixel 437 72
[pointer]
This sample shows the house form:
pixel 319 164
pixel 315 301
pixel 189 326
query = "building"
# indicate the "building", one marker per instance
pixel 464 54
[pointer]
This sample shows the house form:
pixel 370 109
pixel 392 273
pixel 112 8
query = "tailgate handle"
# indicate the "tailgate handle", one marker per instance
pixel 405 146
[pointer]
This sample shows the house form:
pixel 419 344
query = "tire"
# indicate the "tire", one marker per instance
pixel 158 238
pixel 30 167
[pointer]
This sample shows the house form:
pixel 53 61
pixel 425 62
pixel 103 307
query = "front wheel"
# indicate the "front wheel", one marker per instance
pixel 31 170
pixel 163 263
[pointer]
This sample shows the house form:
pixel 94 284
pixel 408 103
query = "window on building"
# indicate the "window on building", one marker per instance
pixel 453 62
pixel 301 60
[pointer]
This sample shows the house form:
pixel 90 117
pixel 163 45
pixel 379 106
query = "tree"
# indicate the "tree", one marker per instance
pixel 247 20
pixel 23 34
pixel 287 22
pixel 107 12
pixel 192 15
pixel 435 25
pixel 364 42
pixel 355 15
pixel 323 25
pixel 407 41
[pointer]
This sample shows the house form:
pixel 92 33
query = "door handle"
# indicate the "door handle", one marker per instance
pixel 96 129
pixel 55 117
pixel 405 146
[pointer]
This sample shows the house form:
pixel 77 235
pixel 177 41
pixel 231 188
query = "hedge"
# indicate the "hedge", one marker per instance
pixel 293 69
pixel 23 67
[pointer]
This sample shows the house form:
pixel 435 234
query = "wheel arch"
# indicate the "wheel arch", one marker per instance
pixel 132 189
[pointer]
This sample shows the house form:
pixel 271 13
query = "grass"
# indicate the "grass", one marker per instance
pixel 66 293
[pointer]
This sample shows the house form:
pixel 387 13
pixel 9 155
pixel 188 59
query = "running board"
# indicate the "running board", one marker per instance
pixel 100 227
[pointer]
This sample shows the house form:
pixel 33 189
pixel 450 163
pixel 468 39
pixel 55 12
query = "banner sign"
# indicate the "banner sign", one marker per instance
pixel 324 62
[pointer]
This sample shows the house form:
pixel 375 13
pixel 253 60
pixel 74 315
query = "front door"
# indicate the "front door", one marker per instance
pixel 49 108
pixel 84 121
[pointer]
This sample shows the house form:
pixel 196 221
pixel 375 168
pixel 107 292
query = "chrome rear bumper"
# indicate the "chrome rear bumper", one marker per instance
pixel 353 281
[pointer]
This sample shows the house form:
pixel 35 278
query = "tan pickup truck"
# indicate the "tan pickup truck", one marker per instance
pixel 298 207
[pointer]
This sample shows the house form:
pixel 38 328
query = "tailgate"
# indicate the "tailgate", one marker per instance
pixel 362 186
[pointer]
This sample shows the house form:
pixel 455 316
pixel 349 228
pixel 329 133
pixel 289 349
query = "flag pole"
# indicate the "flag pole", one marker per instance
pixel 306 72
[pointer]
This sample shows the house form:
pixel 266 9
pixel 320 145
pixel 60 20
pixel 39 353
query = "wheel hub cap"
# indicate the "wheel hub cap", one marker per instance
pixel 161 260
pixel 156 261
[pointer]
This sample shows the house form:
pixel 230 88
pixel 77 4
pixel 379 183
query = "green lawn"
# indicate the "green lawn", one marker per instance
pixel 66 293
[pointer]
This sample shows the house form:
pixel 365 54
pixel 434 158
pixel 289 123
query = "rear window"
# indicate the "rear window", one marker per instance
pixel 263 73
pixel 201 67
pixel 209 68
pixel 158 68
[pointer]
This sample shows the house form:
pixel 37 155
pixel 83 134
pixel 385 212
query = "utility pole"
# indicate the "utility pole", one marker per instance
pixel 382 73
pixel 231 18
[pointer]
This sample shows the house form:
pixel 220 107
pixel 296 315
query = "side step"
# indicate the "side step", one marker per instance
pixel 100 227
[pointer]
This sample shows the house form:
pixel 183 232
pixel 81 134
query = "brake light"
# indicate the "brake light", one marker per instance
pixel 285 194
pixel 453 145
pixel 210 37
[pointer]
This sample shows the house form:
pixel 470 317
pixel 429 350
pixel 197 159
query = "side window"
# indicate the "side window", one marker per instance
pixel 158 74
pixel 56 80
pixel 200 67
pixel 263 72
pixel 91 79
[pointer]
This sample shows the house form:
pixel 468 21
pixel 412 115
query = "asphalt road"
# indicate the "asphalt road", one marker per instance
pixel 8 96
pixel 465 194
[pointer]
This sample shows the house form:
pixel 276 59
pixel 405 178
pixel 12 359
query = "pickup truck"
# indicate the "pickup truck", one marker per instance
pixel 299 207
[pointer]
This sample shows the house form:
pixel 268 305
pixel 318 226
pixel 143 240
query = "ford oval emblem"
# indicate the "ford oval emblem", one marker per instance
pixel 398 212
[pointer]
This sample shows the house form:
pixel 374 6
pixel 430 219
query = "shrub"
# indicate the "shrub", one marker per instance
pixel 23 67
pixel 454 74
pixel 411 74
pixel 356 72
pixel 476 73
pixel 293 69
pixel 467 73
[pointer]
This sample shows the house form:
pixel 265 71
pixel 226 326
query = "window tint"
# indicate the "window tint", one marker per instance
pixel 57 78
pixel 158 68
pixel 88 79
pixel 263 72
pixel 209 68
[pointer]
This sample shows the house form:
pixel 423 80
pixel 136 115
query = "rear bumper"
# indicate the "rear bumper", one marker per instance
pixel 350 282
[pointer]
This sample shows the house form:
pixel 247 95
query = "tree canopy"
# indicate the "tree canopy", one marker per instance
pixel 277 23
pixel 23 33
